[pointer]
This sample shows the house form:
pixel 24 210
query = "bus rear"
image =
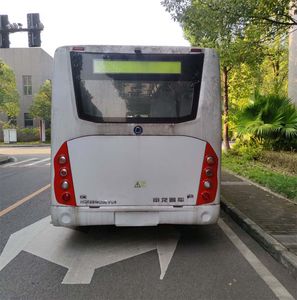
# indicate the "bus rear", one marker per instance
pixel 136 135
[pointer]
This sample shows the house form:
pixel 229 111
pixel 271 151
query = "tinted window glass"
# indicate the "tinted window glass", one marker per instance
pixel 136 88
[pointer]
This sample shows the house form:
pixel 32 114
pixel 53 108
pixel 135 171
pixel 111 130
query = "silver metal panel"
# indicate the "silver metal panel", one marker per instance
pixel 136 170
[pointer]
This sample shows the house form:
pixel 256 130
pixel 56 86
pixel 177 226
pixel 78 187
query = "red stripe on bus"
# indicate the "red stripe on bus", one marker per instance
pixel 209 177
pixel 63 196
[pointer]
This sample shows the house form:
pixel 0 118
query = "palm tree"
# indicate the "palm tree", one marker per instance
pixel 272 118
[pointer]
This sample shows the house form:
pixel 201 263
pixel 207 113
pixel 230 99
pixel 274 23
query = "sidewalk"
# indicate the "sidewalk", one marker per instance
pixel 267 217
pixel 11 145
pixel 21 150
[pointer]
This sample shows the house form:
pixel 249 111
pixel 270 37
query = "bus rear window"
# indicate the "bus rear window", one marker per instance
pixel 131 88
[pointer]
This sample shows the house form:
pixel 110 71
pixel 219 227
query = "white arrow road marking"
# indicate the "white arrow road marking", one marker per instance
pixel 82 253
pixel 167 242
pixel 19 240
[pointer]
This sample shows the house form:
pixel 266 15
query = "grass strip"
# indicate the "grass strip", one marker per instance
pixel 278 182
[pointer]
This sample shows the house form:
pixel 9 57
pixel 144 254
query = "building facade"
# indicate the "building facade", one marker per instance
pixel 31 66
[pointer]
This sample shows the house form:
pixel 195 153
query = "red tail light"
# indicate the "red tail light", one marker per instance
pixel 63 183
pixel 209 177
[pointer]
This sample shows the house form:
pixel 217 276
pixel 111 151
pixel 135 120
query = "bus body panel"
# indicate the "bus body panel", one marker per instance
pixel 136 170
pixel 134 215
pixel 64 110
pixel 68 127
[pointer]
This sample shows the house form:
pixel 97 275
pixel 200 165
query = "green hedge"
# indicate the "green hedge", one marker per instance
pixel 48 134
pixel 28 134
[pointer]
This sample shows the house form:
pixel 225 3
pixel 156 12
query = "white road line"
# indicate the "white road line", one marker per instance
pixel 48 164
pixel 19 162
pixel 37 162
pixel 277 288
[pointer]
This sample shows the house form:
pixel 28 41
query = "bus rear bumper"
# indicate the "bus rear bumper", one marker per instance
pixel 134 215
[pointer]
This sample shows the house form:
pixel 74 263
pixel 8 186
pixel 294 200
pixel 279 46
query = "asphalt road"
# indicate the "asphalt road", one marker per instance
pixel 208 262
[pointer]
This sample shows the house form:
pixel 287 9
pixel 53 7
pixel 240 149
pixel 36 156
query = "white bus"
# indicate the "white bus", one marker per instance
pixel 136 135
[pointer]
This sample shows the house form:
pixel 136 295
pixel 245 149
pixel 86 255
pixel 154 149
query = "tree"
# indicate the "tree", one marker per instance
pixel 272 118
pixel 9 97
pixel 273 77
pixel 41 106
pixel 271 17
pixel 207 26
pixel 247 81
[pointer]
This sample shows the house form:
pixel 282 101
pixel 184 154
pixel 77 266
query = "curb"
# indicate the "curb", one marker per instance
pixel 9 159
pixel 270 244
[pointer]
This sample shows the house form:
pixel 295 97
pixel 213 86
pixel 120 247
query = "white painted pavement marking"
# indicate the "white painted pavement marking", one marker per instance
pixel 19 162
pixel 167 242
pixel 277 288
pixel 37 162
pixel 82 253
pixel 48 164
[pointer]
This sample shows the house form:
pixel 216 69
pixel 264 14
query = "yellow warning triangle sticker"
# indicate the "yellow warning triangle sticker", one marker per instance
pixel 137 185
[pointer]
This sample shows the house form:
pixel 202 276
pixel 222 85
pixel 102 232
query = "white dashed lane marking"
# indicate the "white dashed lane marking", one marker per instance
pixel 18 162
pixel 36 162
